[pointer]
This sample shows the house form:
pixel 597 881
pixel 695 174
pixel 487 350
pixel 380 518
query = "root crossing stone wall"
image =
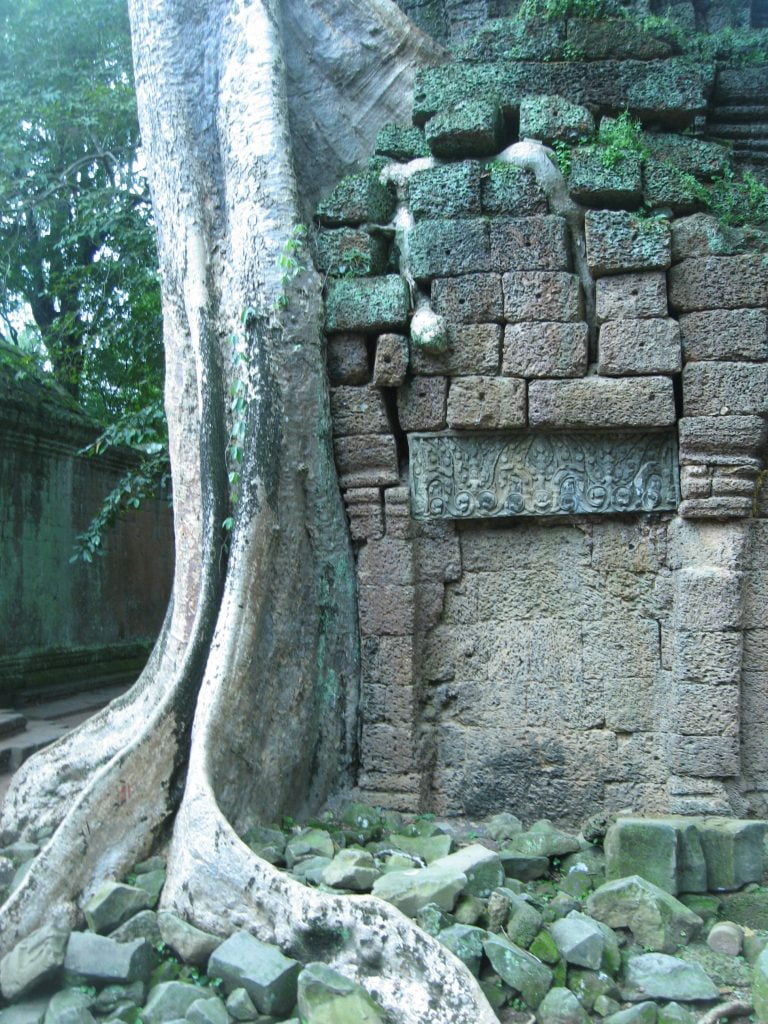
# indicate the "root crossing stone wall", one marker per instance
pixel 62 624
pixel 549 401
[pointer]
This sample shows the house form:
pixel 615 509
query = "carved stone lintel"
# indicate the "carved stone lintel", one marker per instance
pixel 533 473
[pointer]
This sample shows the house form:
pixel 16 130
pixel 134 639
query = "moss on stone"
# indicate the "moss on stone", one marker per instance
pixel 357 199
pixel 504 39
pixel 592 183
pixel 401 142
pixel 349 251
pixel 451 190
pixel 554 119
pixel 367 304
pixel 470 128
pixel 510 189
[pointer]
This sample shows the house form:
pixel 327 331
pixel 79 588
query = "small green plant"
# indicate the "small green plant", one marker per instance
pixel 291 261
pixel 736 200
pixel 617 138
pixel 563 157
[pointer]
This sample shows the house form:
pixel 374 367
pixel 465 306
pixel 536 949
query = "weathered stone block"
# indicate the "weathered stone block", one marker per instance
pixel 720 388
pixel 481 866
pixel 602 402
pixel 391 365
pixel 718 282
pixel 365 512
pixel 269 977
pixel 545 350
pixel 409 891
pixel 112 904
pixel 326 996
pixel 520 970
pixel 366 460
pixel 665 851
pixel 386 610
pixel 702 234
pixel 357 410
pixel 665 185
pixel 450 190
pixel 708 599
pixel 367 304
pixel 33 961
pixel 347 358
pixel 554 119
pixel 443 248
pixel 472 298
pixel 655 918
pixel 541 295
pixel 489 402
pixel 470 128
pixel 733 851
pixel 725 334
pixel 470 349
pixel 615 39
pixel 694 156
pixel 358 199
pixel 579 940
pixel 619 242
pixel 401 142
pixel 708 757
pixel 706 710
pixel 421 403
pixel 506 39
pixel 506 188
pixel 639 347
pixel 631 296
pixel 101 960
pixel 170 1000
pixel 592 183
pixel 529 243
pixel 716 508
pixel 191 944
pixel 349 251
pixel 667 977
pixel 387 561
pixel 704 436
pixel 664 90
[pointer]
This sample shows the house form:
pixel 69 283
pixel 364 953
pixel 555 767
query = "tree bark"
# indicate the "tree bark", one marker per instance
pixel 248 706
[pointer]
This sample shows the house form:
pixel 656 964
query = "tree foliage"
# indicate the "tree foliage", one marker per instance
pixel 78 278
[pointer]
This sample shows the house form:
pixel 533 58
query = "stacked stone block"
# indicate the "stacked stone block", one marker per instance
pixel 597 664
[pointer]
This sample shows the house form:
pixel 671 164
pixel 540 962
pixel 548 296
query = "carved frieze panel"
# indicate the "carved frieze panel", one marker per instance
pixel 532 473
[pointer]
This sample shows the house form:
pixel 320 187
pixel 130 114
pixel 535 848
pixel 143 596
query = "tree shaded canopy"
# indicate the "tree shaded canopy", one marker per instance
pixel 78 277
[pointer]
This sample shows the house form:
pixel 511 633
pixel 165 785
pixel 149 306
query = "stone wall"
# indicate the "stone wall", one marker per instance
pixel 549 405
pixel 70 625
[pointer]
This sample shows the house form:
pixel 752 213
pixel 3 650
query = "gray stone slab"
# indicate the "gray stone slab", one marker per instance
pixel 269 977
pixel 471 298
pixel 739 334
pixel 96 958
pixel 34 960
pixel 526 473
pixel 601 402
pixel 529 243
pixel 631 296
pixel 535 295
pixel 725 388
pixel 718 282
pixel 636 347
pixel 545 349
pixel 495 403
pixel 620 242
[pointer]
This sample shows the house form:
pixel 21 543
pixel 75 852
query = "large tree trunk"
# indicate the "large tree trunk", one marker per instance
pixel 248 705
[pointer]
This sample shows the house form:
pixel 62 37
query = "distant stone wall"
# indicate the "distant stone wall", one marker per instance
pixel 70 625
pixel 550 435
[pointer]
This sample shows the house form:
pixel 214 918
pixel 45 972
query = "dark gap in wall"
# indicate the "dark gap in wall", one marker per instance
pixel 677 388
pixel 389 396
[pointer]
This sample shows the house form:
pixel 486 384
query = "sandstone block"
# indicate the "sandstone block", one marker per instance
pixel 366 460
pixel 579 940
pixel 667 977
pixel 706 710
pixel 325 996
pixel 664 851
pixel 470 349
pixel 488 402
pixel 715 508
pixel 602 402
pixel 707 599
pixel 695 156
pixel 639 347
pixel 545 350
pixel 738 334
pixel 529 243
pixel 365 513
pixel 510 189
pixel 269 977
pixel 725 388
pixel 665 185
pixel 481 866
pixel 410 891
pixel 554 119
pixel 33 961
pixel 421 403
pixel 734 852
pixel 112 904
pixel 386 610
pixel 522 971
pixel 708 757
pixel 351 869
pixel 465 942
pixel 401 142
pixel 170 1000
pixel 347 358
pixel 191 944
pixel 631 296
pixel 444 248
pixel 718 282
pixel 450 190
pixel 471 128
pixel 391 365
pixel 541 295
pixel 472 298
pixel 619 242
pixel 100 960
pixel 349 251
pixel 357 199
pixel 702 437
pixel 591 183
pixel 367 304
pixel 356 410
pixel 560 1006
pixel 655 918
